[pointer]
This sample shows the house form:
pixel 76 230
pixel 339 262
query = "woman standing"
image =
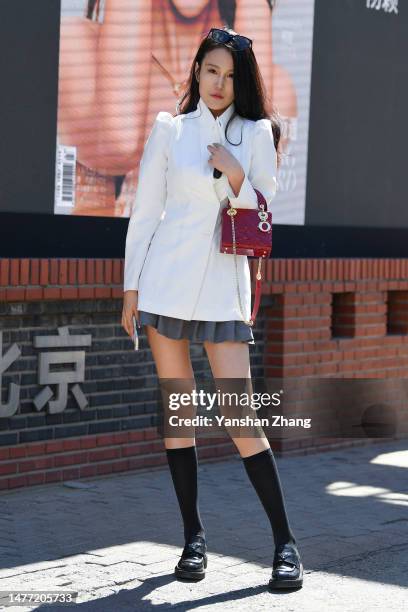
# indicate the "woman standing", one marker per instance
pixel 179 284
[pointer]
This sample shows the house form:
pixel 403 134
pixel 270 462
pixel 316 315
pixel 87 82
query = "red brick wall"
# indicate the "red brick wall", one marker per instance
pixel 299 336
pixel 364 337
pixel 90 456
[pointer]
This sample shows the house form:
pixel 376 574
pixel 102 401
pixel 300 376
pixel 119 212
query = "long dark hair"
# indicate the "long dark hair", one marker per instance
pixel 249 88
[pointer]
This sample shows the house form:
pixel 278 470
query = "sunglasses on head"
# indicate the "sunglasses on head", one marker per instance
pixel 236 41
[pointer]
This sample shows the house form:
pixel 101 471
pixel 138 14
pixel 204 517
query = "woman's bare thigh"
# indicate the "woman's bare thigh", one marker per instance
pixel 172 357
pixel 228 359
pixel 176 375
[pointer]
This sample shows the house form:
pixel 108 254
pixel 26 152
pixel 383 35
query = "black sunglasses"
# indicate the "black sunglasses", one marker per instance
pixel 236 40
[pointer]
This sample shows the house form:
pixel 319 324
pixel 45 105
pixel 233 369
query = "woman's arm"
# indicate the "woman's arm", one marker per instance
pixel 284 100
pixel 77 78
pixel 122 81
pixel 104 85
pixel 150 199
pixel 262 171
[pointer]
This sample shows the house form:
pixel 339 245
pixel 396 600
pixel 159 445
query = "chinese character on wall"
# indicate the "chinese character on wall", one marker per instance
pixel 50 372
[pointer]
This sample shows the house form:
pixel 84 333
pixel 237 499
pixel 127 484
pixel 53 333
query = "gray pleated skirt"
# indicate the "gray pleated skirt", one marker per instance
pixel 197 331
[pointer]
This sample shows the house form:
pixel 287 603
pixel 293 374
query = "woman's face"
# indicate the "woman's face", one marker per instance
pixel 216 77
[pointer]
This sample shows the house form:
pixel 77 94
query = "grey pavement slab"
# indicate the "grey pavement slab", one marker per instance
pixel 116 539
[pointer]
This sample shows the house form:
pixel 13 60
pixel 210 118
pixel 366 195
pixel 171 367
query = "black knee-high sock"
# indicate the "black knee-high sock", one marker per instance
pixel 263 474
pixel 183 467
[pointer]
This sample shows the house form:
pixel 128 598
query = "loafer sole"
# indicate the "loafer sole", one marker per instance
pixel 286 584
pixel 180 573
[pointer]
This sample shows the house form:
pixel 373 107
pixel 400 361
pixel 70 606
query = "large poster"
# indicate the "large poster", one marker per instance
pixel 122 62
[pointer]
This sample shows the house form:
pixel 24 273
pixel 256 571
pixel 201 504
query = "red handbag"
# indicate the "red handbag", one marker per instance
pixel 248 231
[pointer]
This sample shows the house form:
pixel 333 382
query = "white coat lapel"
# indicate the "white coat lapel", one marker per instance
pixel 213 130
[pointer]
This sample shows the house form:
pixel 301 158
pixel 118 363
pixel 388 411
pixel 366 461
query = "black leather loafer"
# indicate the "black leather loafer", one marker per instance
pixel 193 560
pixel 287 568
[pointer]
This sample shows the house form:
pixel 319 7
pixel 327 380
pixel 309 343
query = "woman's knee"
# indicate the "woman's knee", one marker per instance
pixel 170 443
pixel 177 410
pixel 250 446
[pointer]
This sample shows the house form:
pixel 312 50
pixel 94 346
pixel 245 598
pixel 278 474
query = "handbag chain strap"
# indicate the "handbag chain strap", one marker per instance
pixel 232 212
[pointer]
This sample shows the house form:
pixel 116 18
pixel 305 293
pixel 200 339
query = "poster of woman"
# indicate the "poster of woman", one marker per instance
pixel 123 61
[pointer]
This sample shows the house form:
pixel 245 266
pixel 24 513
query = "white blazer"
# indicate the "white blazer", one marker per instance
pixel 172 254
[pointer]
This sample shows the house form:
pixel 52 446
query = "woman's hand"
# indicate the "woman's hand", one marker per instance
pixel 224 161
pixel 130 299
